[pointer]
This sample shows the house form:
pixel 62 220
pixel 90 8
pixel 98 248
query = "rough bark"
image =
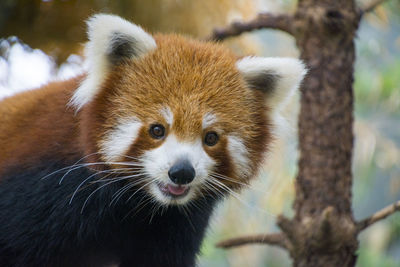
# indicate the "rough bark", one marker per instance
pixel 323 230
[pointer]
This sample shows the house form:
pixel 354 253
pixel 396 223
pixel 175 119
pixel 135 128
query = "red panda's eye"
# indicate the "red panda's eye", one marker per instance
pixel 211 138
pixel 157 131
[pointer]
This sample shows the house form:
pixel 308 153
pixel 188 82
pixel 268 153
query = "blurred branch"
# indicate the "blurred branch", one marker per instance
pixel 380 215
pixel 281 22
pixel 277 239
pixel 371 6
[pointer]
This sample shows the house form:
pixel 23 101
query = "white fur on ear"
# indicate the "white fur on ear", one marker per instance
pixel 111 39
pixel 277 77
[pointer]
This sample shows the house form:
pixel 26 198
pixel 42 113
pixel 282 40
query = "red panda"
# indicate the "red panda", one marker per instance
pixel 124 164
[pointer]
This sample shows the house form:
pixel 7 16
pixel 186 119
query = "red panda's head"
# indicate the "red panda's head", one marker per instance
pixel 191 117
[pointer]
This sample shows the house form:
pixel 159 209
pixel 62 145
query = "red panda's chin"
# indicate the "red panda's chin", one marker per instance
pixel 171 194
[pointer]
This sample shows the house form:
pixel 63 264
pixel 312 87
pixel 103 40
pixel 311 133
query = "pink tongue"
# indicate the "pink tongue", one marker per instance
pixel 176 190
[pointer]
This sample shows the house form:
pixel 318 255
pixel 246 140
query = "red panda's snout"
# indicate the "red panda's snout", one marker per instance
pixel 179 170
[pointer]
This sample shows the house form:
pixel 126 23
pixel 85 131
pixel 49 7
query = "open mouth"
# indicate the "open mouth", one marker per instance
pixel 174 191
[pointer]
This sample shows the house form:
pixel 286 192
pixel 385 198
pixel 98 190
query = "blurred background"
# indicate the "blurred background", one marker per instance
pixel 42 40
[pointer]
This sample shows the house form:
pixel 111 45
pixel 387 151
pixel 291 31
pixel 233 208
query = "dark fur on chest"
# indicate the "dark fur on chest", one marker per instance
pixel 40 227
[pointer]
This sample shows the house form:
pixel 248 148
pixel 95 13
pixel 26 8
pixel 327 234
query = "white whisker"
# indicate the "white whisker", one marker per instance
pixel 154 210
pixel 237 196
pixel 103 179
pixel 97 189
pixel 120 192
pixel 139 206
pixel 77 166
pixel 213 189
pixel 223 177
pixel 151 181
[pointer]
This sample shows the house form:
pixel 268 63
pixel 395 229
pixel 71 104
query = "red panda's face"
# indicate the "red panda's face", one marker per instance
pixel 192 118
pixel 185 113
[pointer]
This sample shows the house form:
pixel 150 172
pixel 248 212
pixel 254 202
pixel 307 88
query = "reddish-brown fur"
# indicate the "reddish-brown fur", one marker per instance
pixel 38 123
pixel 191 77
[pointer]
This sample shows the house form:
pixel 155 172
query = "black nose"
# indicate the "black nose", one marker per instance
pixel 182 172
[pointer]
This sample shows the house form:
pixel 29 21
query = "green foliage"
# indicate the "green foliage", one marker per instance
pixel 370 258
pixel 394 224
pixel 378 87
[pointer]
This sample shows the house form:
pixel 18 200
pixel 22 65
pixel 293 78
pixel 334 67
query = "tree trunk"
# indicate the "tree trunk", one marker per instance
pixel 323 232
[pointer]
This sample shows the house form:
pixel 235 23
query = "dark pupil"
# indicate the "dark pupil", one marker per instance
pixel 211 139
pixel 157 131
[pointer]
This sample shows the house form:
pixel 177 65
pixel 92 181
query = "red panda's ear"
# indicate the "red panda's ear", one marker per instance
pixel 111 41
pixel 277 77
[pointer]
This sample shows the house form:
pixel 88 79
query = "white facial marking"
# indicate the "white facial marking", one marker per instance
pixel 289 73
pixel 101 27
pixel 167 114
pixel 120 139
pixel 239 154
pixel 158 161
pixel 208 120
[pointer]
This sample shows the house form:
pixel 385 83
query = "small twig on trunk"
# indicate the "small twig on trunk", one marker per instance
pixel 371 6
pixel 277 239
pixel 281 22
pixel 380 215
